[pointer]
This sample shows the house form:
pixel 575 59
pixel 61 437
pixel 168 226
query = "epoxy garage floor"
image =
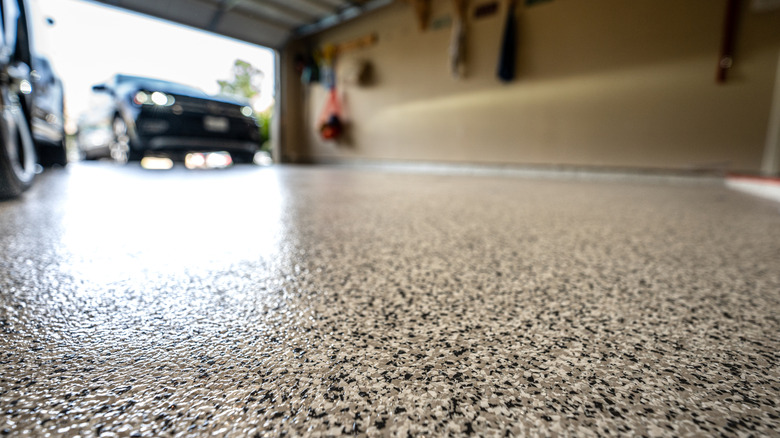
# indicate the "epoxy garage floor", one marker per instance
pixel 323 302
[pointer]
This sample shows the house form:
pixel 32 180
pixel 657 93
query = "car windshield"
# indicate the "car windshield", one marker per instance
pixel 157 84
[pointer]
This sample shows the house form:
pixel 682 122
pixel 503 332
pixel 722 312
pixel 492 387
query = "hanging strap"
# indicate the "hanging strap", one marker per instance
pixel 507 61
pixel 332 107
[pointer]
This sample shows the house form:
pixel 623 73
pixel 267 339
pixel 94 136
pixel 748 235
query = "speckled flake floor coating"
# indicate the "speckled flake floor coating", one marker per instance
pixel 324 302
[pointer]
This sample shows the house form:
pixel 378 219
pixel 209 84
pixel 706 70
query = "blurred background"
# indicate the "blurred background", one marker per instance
pixel 87 43
pixel 648 86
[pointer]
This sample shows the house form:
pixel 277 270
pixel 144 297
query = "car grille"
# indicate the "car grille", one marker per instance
pixel 192 105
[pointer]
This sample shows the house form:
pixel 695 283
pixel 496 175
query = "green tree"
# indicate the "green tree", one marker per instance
pixel 246 84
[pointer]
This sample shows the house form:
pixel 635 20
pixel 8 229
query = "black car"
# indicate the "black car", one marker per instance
pixel 17 149
pixel 32 129
pixel 152 116
pixel 48 114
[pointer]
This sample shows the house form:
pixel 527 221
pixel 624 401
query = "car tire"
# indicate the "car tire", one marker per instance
pixel 121 148
pixel 49 156
pixel 54 154
pixel 17 149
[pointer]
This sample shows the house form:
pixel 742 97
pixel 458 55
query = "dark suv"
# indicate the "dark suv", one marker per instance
pixel 48 114
pixel 17 148
pixel 31 104
pixel 152 116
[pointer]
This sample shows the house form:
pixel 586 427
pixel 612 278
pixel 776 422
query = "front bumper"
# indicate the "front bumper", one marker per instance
pixel 161 130
pixel 195 144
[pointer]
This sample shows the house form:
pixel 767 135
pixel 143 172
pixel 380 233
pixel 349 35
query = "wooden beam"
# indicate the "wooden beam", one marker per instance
pixel 357 43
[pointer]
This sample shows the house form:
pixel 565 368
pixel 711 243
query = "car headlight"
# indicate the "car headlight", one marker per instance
pixel 247 111
pixel 155 98
pixel 162 99
pixel 25 86
pixel 141 98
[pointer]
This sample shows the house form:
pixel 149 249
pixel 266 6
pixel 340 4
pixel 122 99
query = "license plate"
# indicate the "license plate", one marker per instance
pixel 216 124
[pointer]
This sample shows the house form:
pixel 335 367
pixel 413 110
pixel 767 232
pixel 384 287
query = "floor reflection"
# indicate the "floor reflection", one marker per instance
pixel 321 301
pixel 122 220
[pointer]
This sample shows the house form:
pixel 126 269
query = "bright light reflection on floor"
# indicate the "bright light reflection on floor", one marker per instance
pixel 210 160
pixel 263 158
pixel 156 163
pixel 135 222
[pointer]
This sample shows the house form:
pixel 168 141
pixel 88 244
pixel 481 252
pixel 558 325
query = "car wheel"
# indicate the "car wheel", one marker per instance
pixel 55 154
pixel 120 145
pixel 17 149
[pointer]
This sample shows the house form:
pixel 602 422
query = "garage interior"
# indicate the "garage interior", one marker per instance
pixel 559 253
pixel 607 85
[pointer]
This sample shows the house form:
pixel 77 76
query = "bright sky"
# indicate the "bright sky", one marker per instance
pixel 90 42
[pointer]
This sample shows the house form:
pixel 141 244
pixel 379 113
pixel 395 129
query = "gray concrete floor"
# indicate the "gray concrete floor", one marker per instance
pixel 322 302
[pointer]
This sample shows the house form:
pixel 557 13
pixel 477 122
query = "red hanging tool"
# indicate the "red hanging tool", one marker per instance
pixel 331 127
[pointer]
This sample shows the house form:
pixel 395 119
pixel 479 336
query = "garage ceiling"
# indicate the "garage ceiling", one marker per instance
pixel 269 23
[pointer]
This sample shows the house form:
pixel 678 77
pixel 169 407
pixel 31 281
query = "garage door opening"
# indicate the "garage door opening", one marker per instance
pixel 137 87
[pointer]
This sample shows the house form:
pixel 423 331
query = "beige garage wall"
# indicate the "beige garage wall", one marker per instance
pixel 599 83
